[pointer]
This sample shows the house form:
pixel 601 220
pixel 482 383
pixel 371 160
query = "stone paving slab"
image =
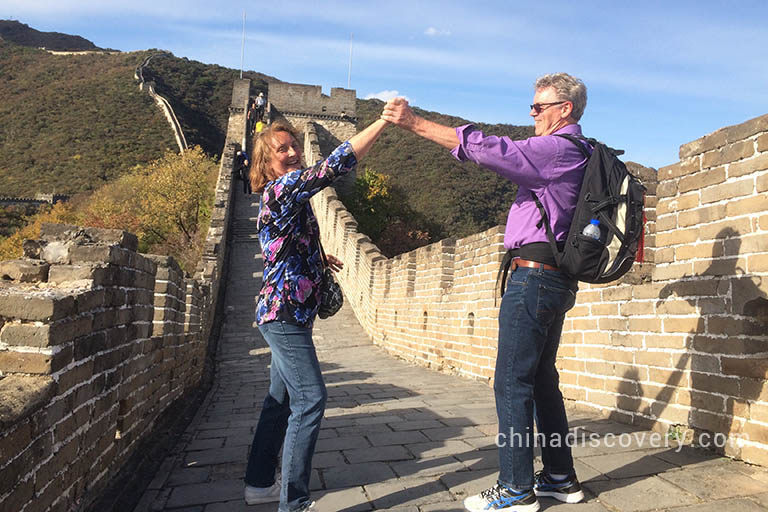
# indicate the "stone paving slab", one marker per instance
pixel 733 505
pixel 639 494
pixel 403 438
pixel 362 473
pixel 628 464
pixel 413 492
pixel 730 483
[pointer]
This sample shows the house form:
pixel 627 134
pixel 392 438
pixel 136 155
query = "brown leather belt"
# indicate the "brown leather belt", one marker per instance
pixel 519 262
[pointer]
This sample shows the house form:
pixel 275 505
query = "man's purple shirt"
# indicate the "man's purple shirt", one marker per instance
pixel 550 166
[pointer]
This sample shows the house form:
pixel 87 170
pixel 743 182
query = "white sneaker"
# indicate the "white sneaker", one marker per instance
pixel 256 495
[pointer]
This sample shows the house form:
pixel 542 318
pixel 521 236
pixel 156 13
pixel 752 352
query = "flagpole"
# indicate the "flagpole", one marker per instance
pixel 349 74
pixel 242 48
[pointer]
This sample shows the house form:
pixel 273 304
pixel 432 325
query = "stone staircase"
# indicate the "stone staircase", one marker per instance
pixel 244 230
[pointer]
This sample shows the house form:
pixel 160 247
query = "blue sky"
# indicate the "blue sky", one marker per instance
pixel 659 73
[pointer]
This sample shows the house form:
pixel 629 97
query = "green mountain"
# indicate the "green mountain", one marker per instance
pixel 73 122
pixel 23 35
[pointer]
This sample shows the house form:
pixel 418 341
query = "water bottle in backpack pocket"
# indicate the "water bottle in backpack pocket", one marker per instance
pixel 592 230
pixel 587 251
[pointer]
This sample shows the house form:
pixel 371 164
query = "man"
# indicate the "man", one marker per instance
pixel 537 294
pixel 260 102
pixel 241 165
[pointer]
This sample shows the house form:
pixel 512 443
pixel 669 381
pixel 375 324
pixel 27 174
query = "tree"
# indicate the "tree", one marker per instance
pixel 167 204
pixel 382 213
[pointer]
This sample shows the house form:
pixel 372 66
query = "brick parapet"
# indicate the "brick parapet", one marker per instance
pixel 169 297
pixel 94 348
pixel 104 371
pixel 194 307
pixel 211 268
pixel 84 334
pixel 680 340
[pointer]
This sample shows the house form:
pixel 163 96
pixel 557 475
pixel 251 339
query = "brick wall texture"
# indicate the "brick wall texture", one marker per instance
pixel 96 342
pixel 681 340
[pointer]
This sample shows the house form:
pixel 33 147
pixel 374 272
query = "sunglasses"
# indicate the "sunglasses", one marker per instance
pixel 538 107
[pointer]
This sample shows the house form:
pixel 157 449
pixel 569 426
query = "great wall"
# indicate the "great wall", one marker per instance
pixel 39 200
pixel 97 340
pixel 162 103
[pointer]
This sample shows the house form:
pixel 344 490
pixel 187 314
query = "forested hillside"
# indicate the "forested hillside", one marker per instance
pixel 450 198
pixel 72 123
pixel 200 95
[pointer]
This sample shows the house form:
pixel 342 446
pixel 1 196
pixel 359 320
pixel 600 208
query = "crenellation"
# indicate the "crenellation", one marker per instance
pixel 757 126
pixel 309 99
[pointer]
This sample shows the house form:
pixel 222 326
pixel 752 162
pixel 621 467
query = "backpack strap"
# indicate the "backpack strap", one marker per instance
pixel 501 276
pixel 550 235
pixel 544 217
pixel 578 142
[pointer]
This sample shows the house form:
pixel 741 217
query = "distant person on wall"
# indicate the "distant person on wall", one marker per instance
pixel 536 296
pixel 260 103
pixel 287 306
pixel 259 126
pixel 241 165
pixel 251 117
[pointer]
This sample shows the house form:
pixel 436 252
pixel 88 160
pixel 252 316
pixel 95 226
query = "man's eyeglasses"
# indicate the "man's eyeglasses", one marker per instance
pixel 538 107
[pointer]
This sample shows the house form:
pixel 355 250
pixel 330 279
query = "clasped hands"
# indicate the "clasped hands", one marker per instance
pixel 397 111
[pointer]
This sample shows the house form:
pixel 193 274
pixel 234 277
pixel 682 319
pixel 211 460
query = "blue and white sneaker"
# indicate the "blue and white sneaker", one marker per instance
pixel 567 490
pixel 501 497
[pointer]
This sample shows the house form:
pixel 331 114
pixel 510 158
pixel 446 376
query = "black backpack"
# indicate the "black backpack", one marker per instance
pixel 611 194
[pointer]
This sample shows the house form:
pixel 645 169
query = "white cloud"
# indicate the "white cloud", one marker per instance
pixel 385 95
pixel 433 32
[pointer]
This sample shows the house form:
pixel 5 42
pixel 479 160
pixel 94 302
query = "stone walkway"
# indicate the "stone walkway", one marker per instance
pixel 403 438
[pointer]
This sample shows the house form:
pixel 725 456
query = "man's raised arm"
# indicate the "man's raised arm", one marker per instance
pixel 397 111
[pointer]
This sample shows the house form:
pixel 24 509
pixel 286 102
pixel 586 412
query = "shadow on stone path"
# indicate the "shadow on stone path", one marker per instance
pixel 403 438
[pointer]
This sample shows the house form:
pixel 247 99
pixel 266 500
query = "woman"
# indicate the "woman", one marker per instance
pixel 286 309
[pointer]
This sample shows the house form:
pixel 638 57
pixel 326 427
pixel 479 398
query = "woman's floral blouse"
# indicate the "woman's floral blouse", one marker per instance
pixel 290 241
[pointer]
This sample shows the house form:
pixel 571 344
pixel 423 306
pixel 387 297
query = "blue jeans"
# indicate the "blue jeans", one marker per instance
pixel 291 415
pixel 526 381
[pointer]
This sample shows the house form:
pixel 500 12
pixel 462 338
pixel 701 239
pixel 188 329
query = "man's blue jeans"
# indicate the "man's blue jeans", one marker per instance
pixel 291 415
pixel 526 381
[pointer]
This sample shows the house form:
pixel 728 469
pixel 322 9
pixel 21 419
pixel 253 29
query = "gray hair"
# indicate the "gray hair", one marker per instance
pixel 568 88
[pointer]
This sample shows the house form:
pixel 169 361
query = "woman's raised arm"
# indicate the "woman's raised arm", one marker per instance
pixel 362 142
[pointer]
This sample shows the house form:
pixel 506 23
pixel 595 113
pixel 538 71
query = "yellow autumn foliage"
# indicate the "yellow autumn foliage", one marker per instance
pixel 166 203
